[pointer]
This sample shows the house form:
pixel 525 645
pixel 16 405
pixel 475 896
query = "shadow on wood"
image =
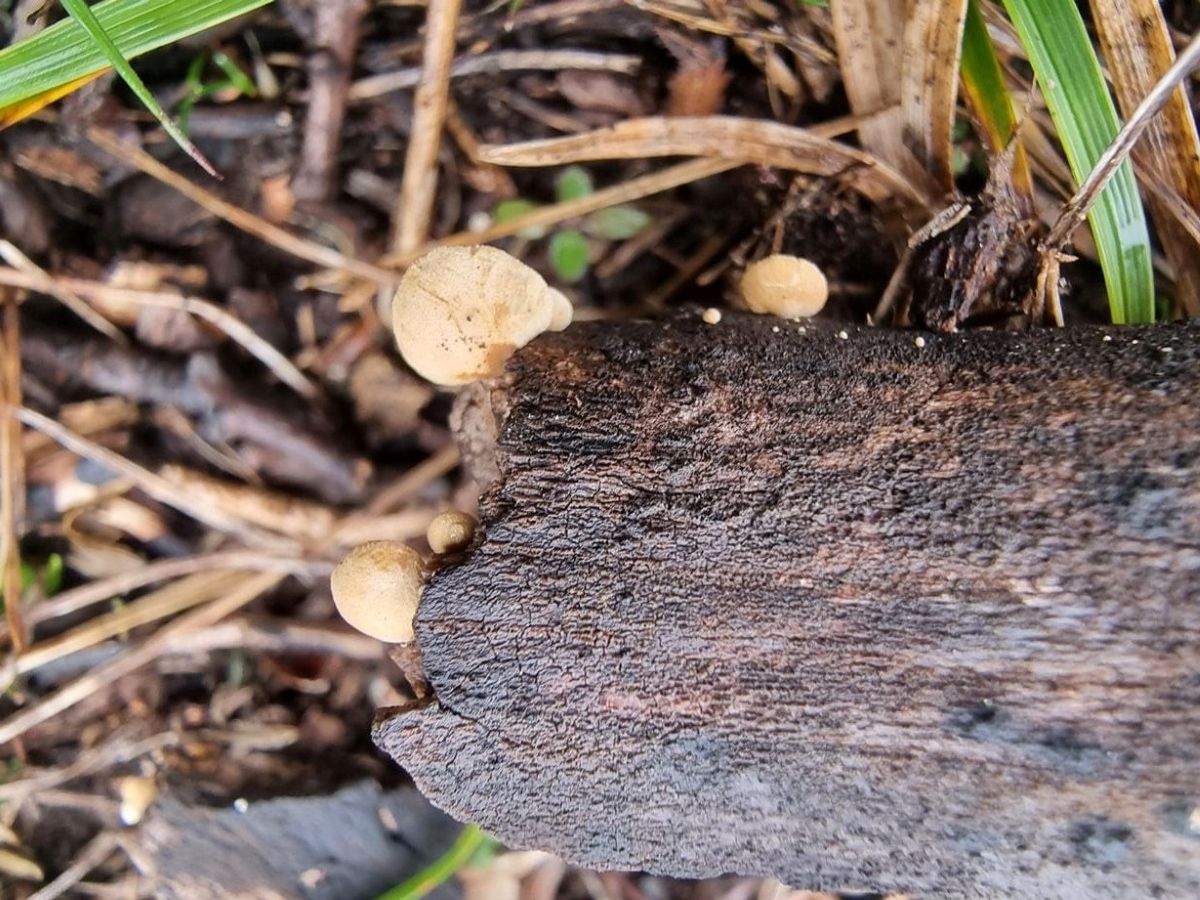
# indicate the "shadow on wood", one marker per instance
pixel 848 611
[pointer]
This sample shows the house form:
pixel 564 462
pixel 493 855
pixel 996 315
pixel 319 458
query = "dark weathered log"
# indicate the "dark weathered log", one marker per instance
pixel 350 845
pixel 835 607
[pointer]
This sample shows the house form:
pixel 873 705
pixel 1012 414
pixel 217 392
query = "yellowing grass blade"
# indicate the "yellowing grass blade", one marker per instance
pixel 64 53
pixel 989 99
pixel 1138 50
pixel 22 109
pixel 929 82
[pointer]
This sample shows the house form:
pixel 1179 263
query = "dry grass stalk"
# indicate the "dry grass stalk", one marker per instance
pixel 1076 209
pixel 869 37
pixel 47 285
pixel 755 141
pixel 419 185
pixel 93 854
pixel 549 60
pixel 929 82
pixel 236 330
pixel 626 192
pixel 1137 47
pixel 103 676
pixel 85 417
pixel 404 487
pixel 100 590
pixel 238 217
pixel 154 485
pixel 166 601
pixel 12 469
pixel 284 514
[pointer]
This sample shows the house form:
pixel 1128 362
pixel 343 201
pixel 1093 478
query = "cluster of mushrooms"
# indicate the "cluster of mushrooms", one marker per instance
pixel 458 315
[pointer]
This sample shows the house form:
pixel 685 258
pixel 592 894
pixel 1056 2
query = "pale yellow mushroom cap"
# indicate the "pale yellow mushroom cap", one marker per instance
pixel 461 312
pixel 450 532
pixel 377 588
pixel 786 286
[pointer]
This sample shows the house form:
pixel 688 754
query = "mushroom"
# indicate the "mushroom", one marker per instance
pixel 461 312
pixel 450 532
pixel 786 286
pixel 377 588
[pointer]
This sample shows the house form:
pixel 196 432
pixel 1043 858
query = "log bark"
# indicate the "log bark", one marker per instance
pixel 832 607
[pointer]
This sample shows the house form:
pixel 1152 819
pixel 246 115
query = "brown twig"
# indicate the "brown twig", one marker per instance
pixel 330 65
pixel 12 470
pixel 238 217
pixel 419 185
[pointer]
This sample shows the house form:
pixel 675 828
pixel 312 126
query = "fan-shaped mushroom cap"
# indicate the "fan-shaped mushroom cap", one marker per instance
pixel 461 312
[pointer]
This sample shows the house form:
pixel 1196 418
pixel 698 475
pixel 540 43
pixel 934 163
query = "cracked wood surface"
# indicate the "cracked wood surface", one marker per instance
pixel 853 613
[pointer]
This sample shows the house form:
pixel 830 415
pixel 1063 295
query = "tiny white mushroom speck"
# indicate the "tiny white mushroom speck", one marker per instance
pixel 450 532
pixel 241 804
pixel 919 341
pixel 842 335
pixel 1108 337
pixel 711 316
pixel 377 588
pixel 785 286
pixel 461 312
pixel 775 329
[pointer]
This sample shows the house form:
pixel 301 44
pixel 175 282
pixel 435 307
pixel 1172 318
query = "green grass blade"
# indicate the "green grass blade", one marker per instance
pixel 82 13
pixel 468 842
pixel 1054 36
pixel 988 96
pixel 64 52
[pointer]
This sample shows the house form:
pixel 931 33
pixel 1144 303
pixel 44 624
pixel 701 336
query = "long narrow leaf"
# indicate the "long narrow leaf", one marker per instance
pixel 64 52
pixel 1054 36
pixel 989 99
pixel 929 69
pixel 1135 41
pixel 82 13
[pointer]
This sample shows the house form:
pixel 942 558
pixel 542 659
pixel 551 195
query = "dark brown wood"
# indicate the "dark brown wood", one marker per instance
pixel 837 608
pixel 354 844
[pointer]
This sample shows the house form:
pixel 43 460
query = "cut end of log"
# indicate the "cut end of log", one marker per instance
pixel 857 612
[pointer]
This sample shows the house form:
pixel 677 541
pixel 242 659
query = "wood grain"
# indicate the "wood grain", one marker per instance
pixel 852 612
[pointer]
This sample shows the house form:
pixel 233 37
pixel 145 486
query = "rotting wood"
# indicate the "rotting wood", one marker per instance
pixel 848 608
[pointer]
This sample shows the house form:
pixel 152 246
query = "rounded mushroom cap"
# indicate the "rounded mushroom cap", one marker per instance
pixel 785 286
pixel 377 588
pixel 461 312
pixel 450 532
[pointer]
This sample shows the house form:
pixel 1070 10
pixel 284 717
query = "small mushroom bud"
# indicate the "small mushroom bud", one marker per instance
pixel 137 792
pixel 450 532
pixel 461 312
pixel 785 286
pixel 377 588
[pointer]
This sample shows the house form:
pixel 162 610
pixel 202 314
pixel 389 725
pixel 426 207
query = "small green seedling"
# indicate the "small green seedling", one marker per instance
pixel 232 81
pixel 568 248
pixel 47 578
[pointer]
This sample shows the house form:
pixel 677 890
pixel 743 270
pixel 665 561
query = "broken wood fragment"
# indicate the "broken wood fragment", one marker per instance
pixel 853 608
